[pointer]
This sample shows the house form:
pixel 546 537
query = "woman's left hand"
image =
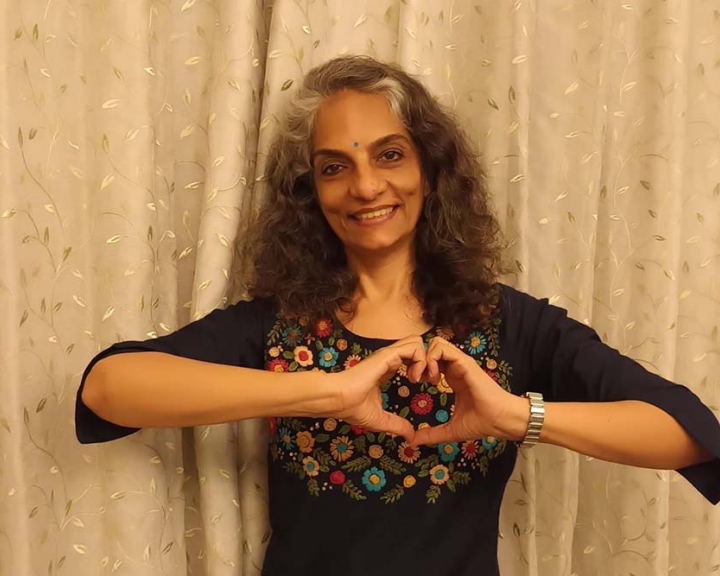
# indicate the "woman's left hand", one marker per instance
pixel 482 408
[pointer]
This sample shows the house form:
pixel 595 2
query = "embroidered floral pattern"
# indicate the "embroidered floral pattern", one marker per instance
pixel 330 454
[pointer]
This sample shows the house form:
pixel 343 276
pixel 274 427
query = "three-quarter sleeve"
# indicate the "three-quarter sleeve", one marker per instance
pixel 233 336
pixel 567 362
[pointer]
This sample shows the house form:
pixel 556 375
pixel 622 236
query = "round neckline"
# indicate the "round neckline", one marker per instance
pixel 388 341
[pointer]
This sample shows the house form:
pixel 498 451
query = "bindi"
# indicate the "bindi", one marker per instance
pixel 355 145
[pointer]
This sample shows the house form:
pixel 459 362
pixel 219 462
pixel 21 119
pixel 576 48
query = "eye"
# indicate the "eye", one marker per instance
pixel 391 155
pixel 331 169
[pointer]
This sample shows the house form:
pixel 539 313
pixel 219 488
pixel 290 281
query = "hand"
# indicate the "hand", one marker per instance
pixel 359 387
pixel 482 408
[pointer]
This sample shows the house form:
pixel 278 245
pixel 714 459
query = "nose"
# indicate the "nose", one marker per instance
pixel 367 183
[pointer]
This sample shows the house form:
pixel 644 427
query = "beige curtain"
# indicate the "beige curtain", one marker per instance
pixel 131 150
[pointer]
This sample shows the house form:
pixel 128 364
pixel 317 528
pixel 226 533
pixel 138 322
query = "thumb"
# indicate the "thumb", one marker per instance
pixel 394 424
pixel 434 435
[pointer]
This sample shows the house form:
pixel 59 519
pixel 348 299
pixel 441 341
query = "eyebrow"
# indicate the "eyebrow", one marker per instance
pixel 376 144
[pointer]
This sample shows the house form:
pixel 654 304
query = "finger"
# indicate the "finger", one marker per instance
pixel 411 352
pixel 394 424
pixel 434 435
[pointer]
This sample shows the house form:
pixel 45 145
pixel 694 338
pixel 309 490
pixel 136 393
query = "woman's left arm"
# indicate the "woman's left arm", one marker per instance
pixel 627 432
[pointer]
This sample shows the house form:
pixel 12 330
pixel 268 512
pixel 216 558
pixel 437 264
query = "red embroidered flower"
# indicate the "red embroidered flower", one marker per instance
pixel 278 365
pixel 273 426
pixel 470 449
pixel 323 328
pixel 337 477
pixel 352 360
pixel 357 430
pixel 421 403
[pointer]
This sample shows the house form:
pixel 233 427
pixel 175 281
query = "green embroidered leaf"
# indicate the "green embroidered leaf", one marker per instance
pixel 351 490
pixel 370 436
pixel 355 348
pixel 391 443
pixel 404 412
pixel 313 487
pixel 293 366
pixel 433 494
pixel 450 485
pixel 344 430
pixel 358 464
pixel 381 437
pixel 323 459
pixel 423 473
pixel 331 341
pixel 462 478
pixel 360 444
pixel 295 467
pixel 319 345
pixel 432 390
pixel 393 495
pixel 288 355
pixel 390 465
pixel 320 438
pixel 429 462
pixel 443 400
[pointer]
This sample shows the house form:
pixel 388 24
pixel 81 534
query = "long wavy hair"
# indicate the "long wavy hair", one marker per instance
pixel 300 262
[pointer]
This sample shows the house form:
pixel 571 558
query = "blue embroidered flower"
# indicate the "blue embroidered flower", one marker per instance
pixel 374 479
pixel 286 438
pixel 476 343
pixel 442 416
pixel 448 451
pixel 489 443
pixel 328 357
pixel 292 335
pixel 385 401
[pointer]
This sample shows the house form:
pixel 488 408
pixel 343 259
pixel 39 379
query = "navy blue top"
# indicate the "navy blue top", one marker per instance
pixel 344 497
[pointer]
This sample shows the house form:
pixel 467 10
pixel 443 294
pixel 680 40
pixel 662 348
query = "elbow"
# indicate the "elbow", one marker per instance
pixel 94 393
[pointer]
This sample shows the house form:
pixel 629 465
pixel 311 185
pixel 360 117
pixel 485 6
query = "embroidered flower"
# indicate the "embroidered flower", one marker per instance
pixel 409 481
pixel 328 357
pixel 323 328
pixel 311 466
pixel 330 424
pixel 443 387
pixel 442 416
pixel 341 448
pixel 385 400
pixel 408 453
pixel 421 403
pixel 351 361
pixel 489 443
pixel 448 451
pixel 303 356
pixel 476 343
pixel 272 423
pixel 403 391
pixel 305 442
pixel 491 364
pixel 292 335
pixel 303 320
pixel 375 451
pixel 439 475
pixel 341 345
pixel 278 365
pixel 337 477
pixel 286 438
pixel 445 332
pixel 274 352
pixel 470 449
pixel 402 371
pixel 374 479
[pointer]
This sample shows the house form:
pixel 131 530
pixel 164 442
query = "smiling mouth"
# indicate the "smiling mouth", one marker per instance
pixel 374 215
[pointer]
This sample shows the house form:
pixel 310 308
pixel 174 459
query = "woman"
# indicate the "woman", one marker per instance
pixel 392 365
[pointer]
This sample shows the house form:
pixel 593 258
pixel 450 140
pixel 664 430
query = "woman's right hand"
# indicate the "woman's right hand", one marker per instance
pixel 359 387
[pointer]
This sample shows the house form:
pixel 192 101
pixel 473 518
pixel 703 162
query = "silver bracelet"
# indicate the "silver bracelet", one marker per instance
pixel 537 418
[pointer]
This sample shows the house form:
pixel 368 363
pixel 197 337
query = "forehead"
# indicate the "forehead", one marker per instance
pixel 349 116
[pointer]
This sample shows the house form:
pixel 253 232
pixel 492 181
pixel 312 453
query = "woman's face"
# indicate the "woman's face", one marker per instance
pixel 367 174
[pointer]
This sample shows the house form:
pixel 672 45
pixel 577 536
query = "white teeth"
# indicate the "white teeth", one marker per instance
pixel 376 214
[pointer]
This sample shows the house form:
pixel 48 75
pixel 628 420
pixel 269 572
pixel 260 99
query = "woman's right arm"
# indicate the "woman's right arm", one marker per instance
pixel 158 390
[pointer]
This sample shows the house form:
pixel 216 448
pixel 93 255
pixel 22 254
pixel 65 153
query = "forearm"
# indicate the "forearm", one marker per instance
pixel 151 389
pixel 630 432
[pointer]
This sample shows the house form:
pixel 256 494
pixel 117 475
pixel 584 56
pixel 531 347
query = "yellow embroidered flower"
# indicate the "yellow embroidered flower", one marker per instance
pixel 491 364
pixel 303 356
pixel 445 332
pixel 423 425
pixel 403 391
pixel 311 466
pixel 409 481
pixel 402 371
pixel 330 424
pixel 341 344
pixel 341 448
pixel 274 352
pixel 305 442
pixel 375 451
pixel 439 475
pixel 443 386
pixel 408 453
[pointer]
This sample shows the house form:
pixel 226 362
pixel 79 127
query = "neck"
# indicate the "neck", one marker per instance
pixel 383 277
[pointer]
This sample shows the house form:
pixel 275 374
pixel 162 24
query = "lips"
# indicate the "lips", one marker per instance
pixel 373 214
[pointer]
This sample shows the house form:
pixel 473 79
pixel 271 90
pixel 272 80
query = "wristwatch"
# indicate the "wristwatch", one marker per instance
pixel 537 418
